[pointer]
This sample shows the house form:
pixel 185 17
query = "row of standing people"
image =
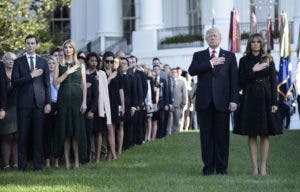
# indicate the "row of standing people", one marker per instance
pixel 76 102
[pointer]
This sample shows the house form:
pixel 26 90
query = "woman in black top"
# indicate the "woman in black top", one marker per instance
pixel 258 110
pixel 92 63
pixel 8 124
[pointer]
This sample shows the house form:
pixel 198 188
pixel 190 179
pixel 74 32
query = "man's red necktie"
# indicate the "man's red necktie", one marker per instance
pixel 213 55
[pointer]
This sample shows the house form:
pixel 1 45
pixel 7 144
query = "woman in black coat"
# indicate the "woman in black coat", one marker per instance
pixel 258 110
pixel 8 118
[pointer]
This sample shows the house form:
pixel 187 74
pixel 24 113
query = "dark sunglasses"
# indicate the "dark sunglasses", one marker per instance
pixel 109 61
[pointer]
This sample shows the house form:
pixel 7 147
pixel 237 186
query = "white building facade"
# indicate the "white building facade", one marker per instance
pixel 100 25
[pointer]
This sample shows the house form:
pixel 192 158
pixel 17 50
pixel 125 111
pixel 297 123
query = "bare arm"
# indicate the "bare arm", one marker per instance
pixel 121 92
pixel 84 88
pixel 58 80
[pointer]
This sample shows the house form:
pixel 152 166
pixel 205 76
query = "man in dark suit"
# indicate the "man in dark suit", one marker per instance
pixel 216 97
pixel 30 76
pixel 163 102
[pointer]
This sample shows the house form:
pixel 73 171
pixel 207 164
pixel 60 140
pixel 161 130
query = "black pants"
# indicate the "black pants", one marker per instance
pixel 161 128
pixel 30 123
pixel 139 127
pixel 128 130
pixel 49 131
pixel 214 137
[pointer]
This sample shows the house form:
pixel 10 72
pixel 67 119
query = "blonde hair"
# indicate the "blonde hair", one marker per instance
pixel 147 70
pixel 75 60
pixel 52 58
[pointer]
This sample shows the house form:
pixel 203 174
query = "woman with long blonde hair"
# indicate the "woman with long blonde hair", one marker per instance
pixel 71 100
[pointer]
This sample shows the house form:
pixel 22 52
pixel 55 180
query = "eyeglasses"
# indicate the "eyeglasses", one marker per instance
pixel 109 61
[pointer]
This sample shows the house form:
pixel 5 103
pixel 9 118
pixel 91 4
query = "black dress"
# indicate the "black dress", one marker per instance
pixel 254 117
pixel 114 97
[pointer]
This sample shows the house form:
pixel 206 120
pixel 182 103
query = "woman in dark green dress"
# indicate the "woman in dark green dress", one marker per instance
pixel 71 101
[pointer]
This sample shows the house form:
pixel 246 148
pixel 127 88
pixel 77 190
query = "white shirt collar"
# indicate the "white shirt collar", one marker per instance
pixel 28 56
pixel 216 49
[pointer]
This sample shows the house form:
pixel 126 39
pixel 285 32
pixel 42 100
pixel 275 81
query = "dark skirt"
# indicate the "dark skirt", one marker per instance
pixel 8 125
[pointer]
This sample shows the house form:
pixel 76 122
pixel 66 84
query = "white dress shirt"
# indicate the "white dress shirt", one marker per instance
pixel 28 59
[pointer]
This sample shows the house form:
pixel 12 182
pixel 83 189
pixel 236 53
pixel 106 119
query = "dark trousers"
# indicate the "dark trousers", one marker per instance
pixel 128 130
pixel 89 125
pixel 49 131
pixel 139 127
pixel 30 123
pixel 161 128
pixel 214 137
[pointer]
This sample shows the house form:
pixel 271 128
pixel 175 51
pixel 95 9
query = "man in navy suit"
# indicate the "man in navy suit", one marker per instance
pixel 216 97
pixel 30 76
pixel 163 102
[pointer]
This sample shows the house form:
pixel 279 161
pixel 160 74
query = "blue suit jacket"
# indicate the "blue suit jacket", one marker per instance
pixel 32 92
pixel 219 86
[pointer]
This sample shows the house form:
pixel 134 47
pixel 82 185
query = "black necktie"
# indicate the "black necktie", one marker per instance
pixel 31 63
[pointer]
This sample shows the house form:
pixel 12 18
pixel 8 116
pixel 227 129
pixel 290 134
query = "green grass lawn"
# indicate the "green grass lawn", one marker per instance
pixel 170 164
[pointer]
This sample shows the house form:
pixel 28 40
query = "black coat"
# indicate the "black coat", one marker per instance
pixel 254 116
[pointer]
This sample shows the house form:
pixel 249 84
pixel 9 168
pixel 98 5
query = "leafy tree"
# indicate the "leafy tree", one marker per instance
pixel 18 18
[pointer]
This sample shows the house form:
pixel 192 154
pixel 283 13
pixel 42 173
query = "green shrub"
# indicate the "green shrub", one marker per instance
pixel 182 39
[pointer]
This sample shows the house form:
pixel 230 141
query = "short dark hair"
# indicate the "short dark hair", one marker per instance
pixel 124 58
pixel 79 55
pixel 31 36
pixel 155 58
pixel 108 54
pixel 134 57
pixel 57 49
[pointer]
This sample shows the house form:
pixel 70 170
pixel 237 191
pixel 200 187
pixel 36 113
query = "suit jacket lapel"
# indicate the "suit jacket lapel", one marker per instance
pixel 37 63
pixel 206 55
pixel 27 64
pixel 221 53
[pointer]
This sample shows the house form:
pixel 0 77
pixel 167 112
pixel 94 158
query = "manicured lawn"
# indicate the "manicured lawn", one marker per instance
pixel 170 164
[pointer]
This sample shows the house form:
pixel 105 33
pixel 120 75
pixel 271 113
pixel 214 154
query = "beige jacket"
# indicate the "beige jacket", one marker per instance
pixel 103 100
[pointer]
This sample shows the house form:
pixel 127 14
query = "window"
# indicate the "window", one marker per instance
pixel 194 12
pixel 60 25
pixel 129 18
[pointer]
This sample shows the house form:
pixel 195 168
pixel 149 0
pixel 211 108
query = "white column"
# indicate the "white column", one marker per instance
pixel 110 18
pixel 144 39
pixel 151 16
pixel 296 19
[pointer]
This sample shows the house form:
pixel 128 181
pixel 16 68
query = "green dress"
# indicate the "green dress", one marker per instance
pixel 70 121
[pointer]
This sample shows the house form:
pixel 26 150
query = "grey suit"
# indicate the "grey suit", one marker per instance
pixel 179 101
